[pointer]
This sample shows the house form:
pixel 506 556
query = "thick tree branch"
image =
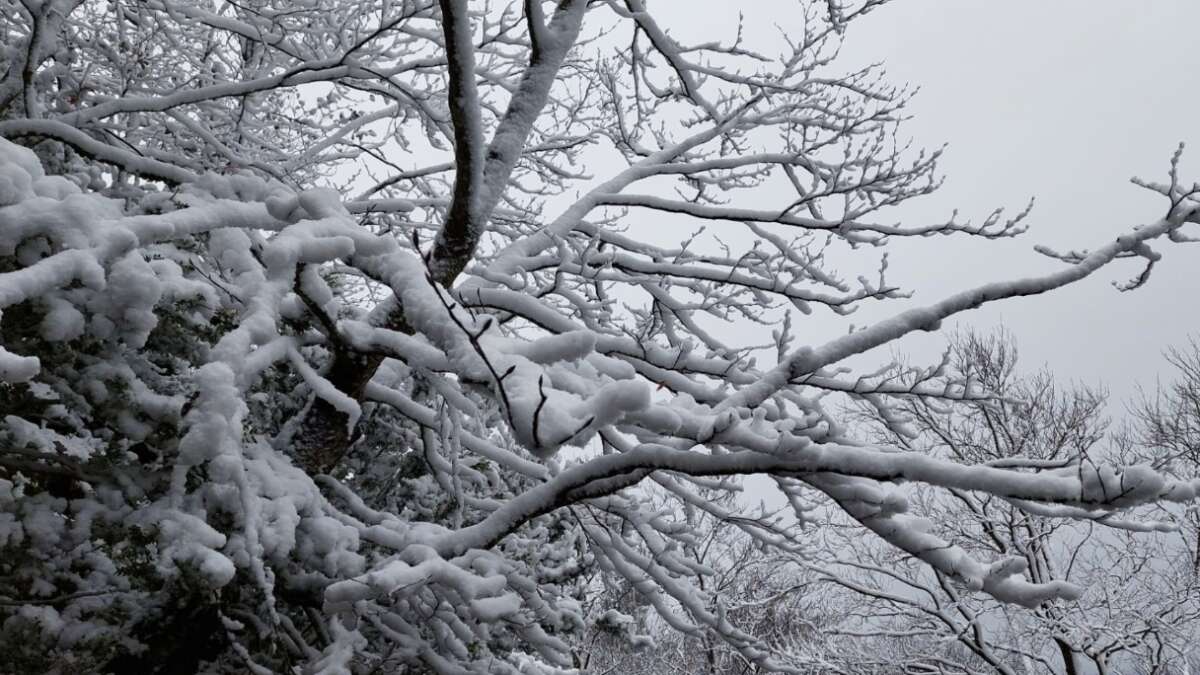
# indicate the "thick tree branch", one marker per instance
pixel 479 183
pixel 476 195
pixel 460 234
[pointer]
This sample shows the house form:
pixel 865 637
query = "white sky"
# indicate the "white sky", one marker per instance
pixel 1063 100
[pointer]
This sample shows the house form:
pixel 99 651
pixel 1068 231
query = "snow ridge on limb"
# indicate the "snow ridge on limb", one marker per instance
pixel 481 177
pixel 808 359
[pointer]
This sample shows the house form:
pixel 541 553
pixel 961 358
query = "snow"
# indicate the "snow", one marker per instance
pixel 400 576
pixel 15 185
pixel 190 541
pixel 17 368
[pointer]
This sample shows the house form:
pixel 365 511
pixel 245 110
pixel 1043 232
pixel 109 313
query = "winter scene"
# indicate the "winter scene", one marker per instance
pixel 599 337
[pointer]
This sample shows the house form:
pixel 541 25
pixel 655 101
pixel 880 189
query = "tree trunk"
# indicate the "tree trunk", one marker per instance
pixel 324 435
pixel 1070 657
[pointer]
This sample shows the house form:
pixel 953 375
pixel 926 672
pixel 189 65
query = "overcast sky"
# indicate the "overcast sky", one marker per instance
pixel 1063 101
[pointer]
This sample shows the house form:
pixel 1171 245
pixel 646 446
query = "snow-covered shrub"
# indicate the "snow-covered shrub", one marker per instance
pixel 145 517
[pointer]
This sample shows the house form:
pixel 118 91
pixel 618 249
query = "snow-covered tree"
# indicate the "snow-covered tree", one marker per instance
pixel 256 423
pixel 777 596
pixel 1141 604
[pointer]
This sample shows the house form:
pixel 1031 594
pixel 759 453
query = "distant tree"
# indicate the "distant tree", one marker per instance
pixel 255 424
pixel 764 593
pixel 1141 604
pixel 1166 420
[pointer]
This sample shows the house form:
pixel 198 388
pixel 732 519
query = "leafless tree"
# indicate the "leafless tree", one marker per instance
pixel 1142 603
pixel 316 431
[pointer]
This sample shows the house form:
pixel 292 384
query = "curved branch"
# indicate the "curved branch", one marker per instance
pixel 145 167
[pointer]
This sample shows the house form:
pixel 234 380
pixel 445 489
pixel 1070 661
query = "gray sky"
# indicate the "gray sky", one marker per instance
pixel 1063 101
